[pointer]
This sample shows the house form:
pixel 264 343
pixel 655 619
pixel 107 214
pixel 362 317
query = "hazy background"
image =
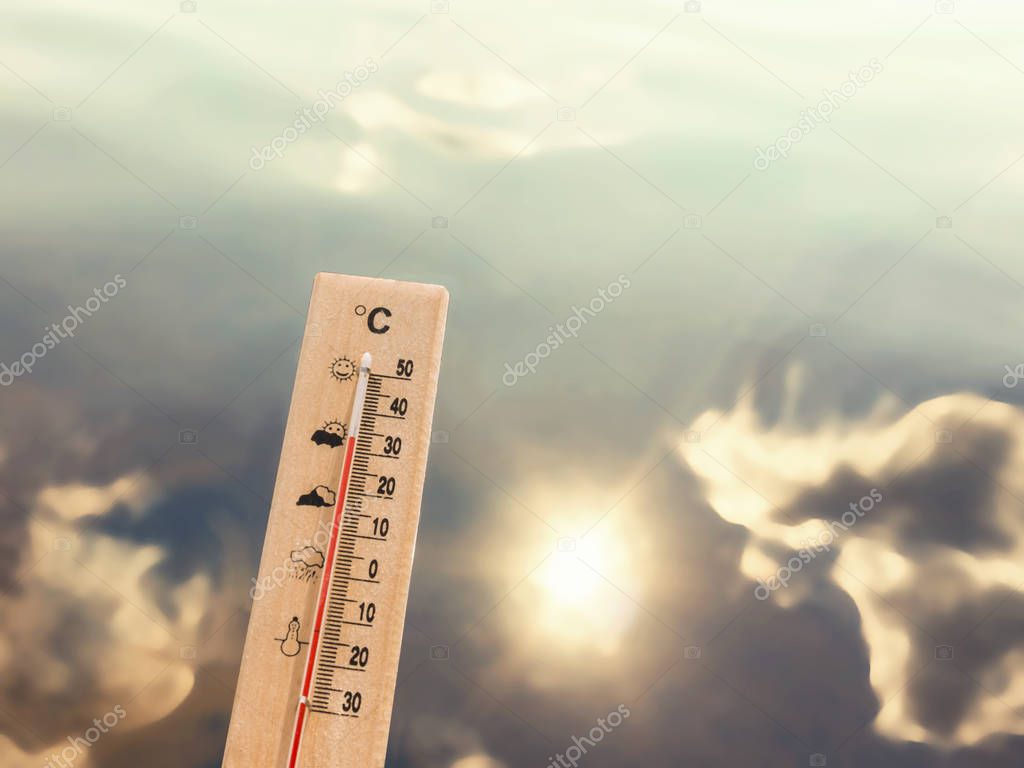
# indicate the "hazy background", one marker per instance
pixel 846 320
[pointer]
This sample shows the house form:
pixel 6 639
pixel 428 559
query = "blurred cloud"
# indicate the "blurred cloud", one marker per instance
pixel 59 660
pixel 380 113
pixel 493 89
pixel 934 568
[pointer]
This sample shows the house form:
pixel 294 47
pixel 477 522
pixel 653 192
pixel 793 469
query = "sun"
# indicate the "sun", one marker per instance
pixel 567 581
pixel 342 369
pixel 574 603
pixel 574 592
pixel 582 597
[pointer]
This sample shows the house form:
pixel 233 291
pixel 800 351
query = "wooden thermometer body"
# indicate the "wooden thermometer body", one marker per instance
pixel 316 685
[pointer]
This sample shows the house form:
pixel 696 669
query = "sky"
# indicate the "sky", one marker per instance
pixel 767 499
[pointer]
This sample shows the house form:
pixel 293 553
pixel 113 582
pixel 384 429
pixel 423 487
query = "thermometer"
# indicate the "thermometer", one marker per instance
pixel 317 680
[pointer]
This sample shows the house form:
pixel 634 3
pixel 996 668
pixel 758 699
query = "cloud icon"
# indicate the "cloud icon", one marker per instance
pixel 311 557
pixel 321 496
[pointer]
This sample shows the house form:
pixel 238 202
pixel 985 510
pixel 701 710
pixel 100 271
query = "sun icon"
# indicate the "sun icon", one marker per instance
pixel 334 427
pixel 342 369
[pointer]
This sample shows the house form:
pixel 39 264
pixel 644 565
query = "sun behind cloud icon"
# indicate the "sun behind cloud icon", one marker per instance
pixel 342 369
pixel 332 433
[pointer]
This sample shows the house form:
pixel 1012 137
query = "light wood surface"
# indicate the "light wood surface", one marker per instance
pixel 371 568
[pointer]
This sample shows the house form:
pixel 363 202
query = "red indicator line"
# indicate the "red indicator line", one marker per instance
pixel 303 708
pixel 325 582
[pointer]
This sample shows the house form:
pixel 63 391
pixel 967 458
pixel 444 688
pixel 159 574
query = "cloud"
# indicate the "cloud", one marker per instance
pixel 479 89
pixel 938 561
pixel 311 557
pixel 321 496
pixel 357 169
pixel 60 665
pixel 379 112
pixel 123 595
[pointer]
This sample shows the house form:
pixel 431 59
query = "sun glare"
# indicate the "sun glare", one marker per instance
pixel 567 581
pixel 581 598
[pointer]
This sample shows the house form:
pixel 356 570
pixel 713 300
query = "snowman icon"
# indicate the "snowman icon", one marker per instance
pixel 290 643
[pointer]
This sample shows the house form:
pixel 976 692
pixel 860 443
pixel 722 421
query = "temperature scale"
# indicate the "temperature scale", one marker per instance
pixel 318 671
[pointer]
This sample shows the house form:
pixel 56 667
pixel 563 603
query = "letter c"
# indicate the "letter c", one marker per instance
pixel 371 320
